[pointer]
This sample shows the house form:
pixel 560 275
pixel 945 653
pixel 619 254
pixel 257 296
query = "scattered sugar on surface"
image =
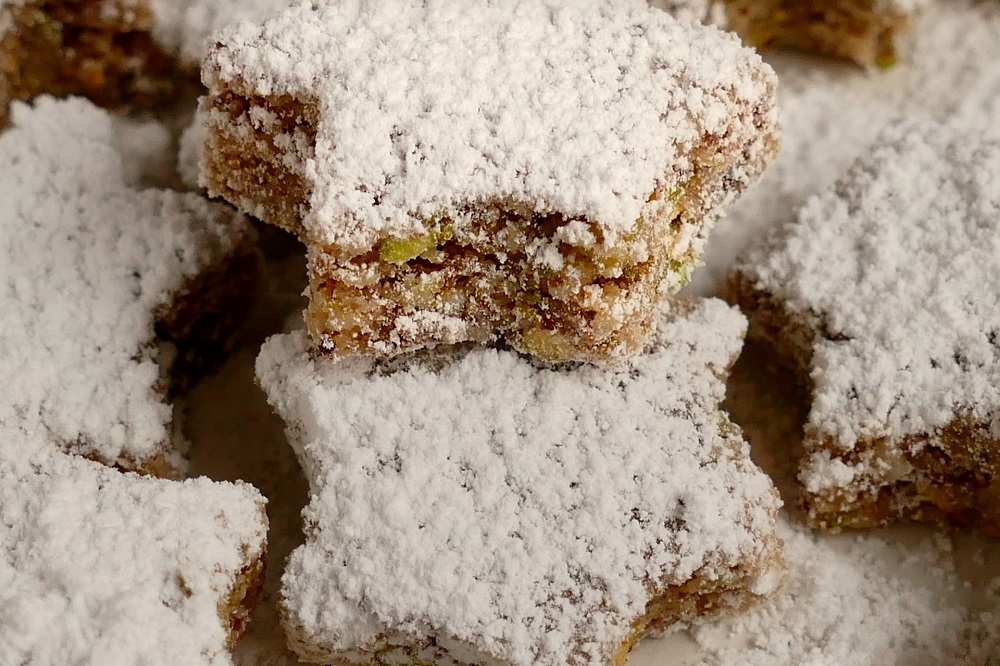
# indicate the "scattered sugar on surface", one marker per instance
pixel 831 113
pixel 100 567
pixel 87 264
pixel 859 600
pixel 584 107
pixel 502 496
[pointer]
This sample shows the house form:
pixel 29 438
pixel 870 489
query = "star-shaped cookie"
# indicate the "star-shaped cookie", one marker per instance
pixel 882 294
pixel 103 285
pixel 471 506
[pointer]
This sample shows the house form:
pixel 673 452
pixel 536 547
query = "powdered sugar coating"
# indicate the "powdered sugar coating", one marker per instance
pixel 98 567
pixel 575 107
pixel 699 11
pixel 516 514
pixel 891 269
pixel 184 27
pixel 860 601
pixel 87 263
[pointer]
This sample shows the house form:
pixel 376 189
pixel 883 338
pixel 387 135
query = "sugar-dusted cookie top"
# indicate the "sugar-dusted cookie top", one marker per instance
pixel 892 272
pixel 100 567
pixel 517 514
pixel 87 267
pixel 583 108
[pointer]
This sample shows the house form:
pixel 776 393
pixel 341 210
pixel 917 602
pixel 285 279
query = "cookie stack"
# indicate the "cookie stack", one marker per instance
pixel 512 434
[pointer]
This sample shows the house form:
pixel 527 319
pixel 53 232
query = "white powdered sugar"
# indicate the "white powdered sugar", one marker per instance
pixel 185 27
pixel 697 11
pixel 188 151
pixel 831 112
pixel 515 513
pixel 87 265
pixel 100 567
pixel 581 107
pixel 858 600
pixel 893 267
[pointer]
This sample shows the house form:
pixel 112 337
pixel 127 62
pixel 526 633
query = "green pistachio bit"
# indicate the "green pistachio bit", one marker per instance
pixel 683 270
pixel 885 60
pixel 548 344
pixel 401 250
pixel 728 429
pixel 761 36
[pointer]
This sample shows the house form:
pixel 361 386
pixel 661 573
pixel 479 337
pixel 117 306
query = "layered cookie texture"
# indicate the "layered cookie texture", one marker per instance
pixel 474 506
pixel 869 32
pixel 100 567
pixel 106 289
pixel 116 52
pixel 880 294
pixel 536 171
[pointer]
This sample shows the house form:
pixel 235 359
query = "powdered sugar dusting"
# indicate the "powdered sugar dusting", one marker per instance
pixel 189 147
pixel 97 567
pixel 894 261
pixel 854 600
pixel 582 107
pixel 831 112
pixel 184 27
pixel 700 11
pixel 87 264
pixel 525 514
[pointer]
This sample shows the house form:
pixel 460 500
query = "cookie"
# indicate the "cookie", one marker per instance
pixel 546 186
pixel 118 53
pixel 106 289
pixel 474 506
pixel 100 567
pixel 879 294
pixel 869 32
